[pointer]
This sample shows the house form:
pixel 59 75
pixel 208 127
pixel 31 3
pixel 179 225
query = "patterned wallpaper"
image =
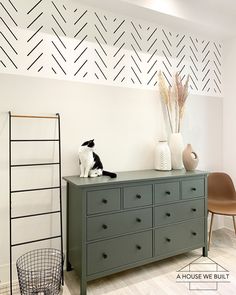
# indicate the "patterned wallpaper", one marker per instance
pixel 63 39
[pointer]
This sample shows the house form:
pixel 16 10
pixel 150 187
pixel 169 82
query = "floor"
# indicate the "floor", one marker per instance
pixel 160 277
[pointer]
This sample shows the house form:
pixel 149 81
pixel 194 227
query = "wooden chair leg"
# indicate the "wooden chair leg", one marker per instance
pixel 234 224
pixel 210 232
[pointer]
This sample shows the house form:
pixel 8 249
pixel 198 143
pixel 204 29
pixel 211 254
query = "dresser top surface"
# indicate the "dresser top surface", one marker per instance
pixel 140 175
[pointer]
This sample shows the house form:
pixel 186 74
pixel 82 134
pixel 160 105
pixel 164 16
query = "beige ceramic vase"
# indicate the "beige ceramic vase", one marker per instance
pixel 190 158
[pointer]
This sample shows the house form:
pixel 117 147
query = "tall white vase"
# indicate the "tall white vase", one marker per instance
pixel 176 149
pixel 162 156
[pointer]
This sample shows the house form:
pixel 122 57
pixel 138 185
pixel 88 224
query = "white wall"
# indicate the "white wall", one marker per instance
pixel 125 123
pixel 229 119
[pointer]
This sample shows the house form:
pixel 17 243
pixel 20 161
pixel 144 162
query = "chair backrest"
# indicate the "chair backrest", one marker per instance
pixel 220 186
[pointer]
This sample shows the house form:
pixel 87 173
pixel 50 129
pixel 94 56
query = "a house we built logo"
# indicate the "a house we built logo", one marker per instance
pixel 203 274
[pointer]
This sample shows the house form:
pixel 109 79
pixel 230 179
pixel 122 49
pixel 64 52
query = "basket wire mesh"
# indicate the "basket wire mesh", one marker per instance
pixel 40 272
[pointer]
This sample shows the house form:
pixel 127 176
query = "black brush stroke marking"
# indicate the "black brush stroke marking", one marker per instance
pixel 100 57
pixel 3 63
pixel 152 66
pixel 96 76
pixel 58 25
pixel 34 6
pixel 166 78
pixel 80 17
pixel 58 64
pixel 136 42
pixel 132 80
pixel 152 45
pixel 180 41
pixel 35 61
pixel 136 30
pixel 205 75
pixel 100 70
pixel 100 22
pixel 59 12
pixel 205 65
pixel 193 53
pixel 182 70
pixel 217 85
pixel 205 46
pixel 81 54
pixel 35 47
pixel 80 30
pixel 13 5
pixel 167 58
pixel 152 56
pixel 101 46
pixel 167 37
pixel 151 34
pixel 217 49
pixel 181 61
pixel 8 28
pixel 34 20
pixel 193 73
pixel 193 44
pixel 7 12
pixel 85 75
pixel 118 26
pixel 118 61
pixel 194 63
pixel 9 43
pixel 122 79
pixel 80 42
pixel 166 68
pixel 40 69
pixel 155 83
pixel 180 51
pixel 80 67
pixel 183 78
pixel 100 33
pixel 217 77
pixel 205 56
pixel 64 7
pixel 75 10
pixel 193 82
pixel 9 57
pixel 136 75
pixel 119 50
pixel 118 38
pixel 151 78
pixel 205 84
pixel 54 71
pixel 35 33
pixel 136 64
pixel 217 67
pixel 217 58
pixel 166 48
pixel 59 38
pixel 136 53
pixel 119 73
pixel 59 51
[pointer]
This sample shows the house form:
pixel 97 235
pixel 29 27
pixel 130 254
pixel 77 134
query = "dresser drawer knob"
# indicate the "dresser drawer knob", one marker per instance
pixel 194 233
pixel 138 196
pixel 104 226
pixel 104 255
pixel 104 201
pixel 138 219
pixel 194 209
pixel 167 192
pixel 138 247
pixel 168 214
pixel 193 189
pixel 168 240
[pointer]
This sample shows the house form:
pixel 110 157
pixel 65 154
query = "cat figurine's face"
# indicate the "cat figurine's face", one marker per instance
pixel 89 143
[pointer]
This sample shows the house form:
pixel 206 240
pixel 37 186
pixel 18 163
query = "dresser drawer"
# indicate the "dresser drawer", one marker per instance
pixel 118 223
pixel 193 188
pixel 103 200
pixel 117 252
pixel 166 214
pixel 166 192
pixel 180 236
pixel 136 196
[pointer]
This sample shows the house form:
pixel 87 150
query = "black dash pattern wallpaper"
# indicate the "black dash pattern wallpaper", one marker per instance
pixel 63 39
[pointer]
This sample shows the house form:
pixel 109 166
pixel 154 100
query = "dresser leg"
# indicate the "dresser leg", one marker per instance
pixel 83 287
pixel 204 251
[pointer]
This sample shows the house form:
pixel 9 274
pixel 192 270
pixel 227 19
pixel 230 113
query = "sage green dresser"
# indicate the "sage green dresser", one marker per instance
pixel 137 218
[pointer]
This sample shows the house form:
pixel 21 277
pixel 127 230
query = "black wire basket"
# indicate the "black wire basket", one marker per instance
pixel 40 272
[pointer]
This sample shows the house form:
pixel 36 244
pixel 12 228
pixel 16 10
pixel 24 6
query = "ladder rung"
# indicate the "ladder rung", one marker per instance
pixel 36 214
pixel 35 241
pixel 34 117
pixel 35 164
pixel 35 189
pixel 32 140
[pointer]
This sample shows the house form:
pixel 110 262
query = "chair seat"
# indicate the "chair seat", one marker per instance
pixel 226 207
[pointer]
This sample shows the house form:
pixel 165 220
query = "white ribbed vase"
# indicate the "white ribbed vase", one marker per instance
pixel 176 148
pixel 162 156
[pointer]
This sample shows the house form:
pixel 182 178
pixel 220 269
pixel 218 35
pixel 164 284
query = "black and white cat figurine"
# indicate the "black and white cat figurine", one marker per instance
pixel 90 163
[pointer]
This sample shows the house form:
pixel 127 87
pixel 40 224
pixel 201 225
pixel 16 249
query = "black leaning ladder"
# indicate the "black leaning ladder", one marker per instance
pixel 13 192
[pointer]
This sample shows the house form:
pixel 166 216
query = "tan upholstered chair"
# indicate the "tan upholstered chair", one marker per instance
pixel 221 197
